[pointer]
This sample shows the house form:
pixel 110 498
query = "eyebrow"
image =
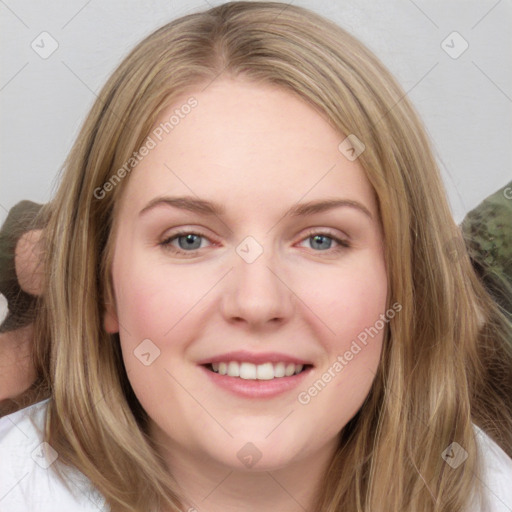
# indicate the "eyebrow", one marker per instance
pixel 203 207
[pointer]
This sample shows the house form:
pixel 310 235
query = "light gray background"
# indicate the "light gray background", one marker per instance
pixel 466 103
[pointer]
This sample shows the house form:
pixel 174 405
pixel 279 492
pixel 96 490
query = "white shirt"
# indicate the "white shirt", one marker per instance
pixel 27 481
pixel 28 484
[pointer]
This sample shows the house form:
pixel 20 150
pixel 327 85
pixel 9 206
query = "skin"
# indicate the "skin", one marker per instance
pixel 257 150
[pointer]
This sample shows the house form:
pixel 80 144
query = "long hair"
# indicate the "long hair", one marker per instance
pixel 439 354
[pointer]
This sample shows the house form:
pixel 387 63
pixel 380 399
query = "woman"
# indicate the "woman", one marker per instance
pixel 259 369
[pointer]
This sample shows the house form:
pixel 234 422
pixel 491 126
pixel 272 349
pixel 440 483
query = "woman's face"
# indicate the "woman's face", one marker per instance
pixel 255 283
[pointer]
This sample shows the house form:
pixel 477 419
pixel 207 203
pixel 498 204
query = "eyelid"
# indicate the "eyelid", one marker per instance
pixel 166 240
pixel 325 231
pixel 343 243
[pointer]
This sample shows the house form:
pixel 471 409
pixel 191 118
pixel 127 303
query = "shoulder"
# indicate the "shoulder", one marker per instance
pixel 496 473
pixel 27 477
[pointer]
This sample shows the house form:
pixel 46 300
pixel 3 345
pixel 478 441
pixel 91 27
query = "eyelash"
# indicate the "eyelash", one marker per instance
pixel 166 244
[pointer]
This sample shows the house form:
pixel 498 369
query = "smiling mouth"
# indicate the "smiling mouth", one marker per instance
pixel 250 371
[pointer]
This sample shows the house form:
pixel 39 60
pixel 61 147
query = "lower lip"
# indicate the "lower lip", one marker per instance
pixel 249 388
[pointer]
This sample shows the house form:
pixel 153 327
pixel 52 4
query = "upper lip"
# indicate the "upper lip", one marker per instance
pixel 244 356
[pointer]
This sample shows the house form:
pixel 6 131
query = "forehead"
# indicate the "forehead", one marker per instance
pixel 245 145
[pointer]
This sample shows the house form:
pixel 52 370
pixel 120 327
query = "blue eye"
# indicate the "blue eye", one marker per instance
pixel 322 240
pixel 318 240
pixel 189 242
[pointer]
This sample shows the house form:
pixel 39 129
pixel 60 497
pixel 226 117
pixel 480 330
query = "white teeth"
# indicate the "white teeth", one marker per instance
pixel 265 371
pixel 279 370
pixel 233 369
pixel 290 369
pixel 249 371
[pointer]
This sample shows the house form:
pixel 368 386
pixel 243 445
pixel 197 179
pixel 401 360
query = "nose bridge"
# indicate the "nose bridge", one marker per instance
pixel 255 291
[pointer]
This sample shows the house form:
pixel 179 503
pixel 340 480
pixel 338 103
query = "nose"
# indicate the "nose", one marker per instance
pixel 257 293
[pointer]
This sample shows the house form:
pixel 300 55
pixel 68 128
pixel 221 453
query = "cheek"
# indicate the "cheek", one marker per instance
pixel 347 300
pixel 151 299
pixel 351 306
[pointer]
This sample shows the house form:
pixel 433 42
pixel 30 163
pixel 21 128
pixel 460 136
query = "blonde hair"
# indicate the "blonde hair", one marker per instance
pixel 440 370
